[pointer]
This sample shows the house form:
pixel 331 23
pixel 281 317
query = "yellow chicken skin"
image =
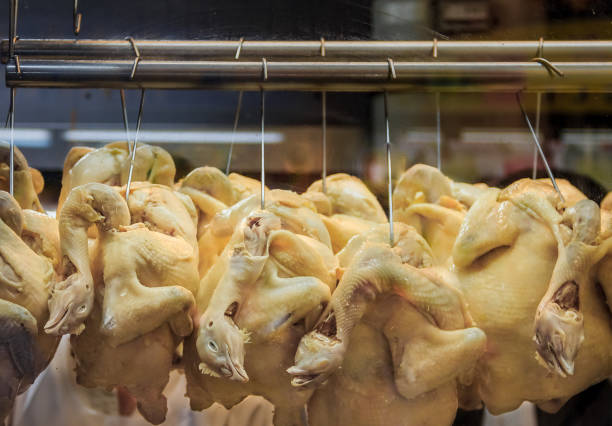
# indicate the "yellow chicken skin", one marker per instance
pixel 111 164
pixel 399 330
pixel 28 182
pixel 134 296
pixel 266 288
pixel 604 271
pixel 525 262
pixel 434 205
pixel 26 275
pixel 297 214
pixel 347 207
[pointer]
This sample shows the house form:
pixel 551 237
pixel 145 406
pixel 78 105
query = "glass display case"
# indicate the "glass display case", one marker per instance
pixel 362 212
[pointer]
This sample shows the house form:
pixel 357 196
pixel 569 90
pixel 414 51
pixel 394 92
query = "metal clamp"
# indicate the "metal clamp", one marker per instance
pixel 264 65
pixel 136 59
pixel 392 73
pixel 550 67
pixel 239 49
pixel 76 18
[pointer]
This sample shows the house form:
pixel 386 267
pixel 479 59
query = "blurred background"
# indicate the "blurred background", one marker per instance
pixel 484 136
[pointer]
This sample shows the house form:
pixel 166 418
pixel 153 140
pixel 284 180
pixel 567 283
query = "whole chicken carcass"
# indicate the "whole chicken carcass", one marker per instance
pixel 133 297
pixel 399 330
pixel 111 164
pixel 347 207
pixel 28 182
pixel 28 248
pixel 434 205
pixel 267 286
pixel 526 264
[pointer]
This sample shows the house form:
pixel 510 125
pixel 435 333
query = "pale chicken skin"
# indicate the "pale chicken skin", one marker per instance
pixel 401 333
pixel 134 297
pixel 525 263
pixel 265 289
pixel 347 207
pixel 111 164
pixel 26 275
pixel 28 182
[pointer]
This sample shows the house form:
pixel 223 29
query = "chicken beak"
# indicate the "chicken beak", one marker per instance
pixel 238 372
pixel 55 322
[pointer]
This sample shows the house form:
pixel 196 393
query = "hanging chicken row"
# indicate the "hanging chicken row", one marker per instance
pixel 485 296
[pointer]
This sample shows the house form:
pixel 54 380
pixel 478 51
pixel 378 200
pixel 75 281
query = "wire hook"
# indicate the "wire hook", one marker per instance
pixel 125 120
pixel 264 65
pixel 133 157
pixel 392 73
pixel 438 133
pixel 323 130
pixel 434 49
pixel 76 18
pixel 136 59
pixel 389 181
pixel 534 173
pixel 236 118
pixel 11 122
pixel 263 151
pixel 537 143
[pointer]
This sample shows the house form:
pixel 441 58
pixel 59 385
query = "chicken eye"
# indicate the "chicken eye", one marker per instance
pixel 213 346
pixel 82 309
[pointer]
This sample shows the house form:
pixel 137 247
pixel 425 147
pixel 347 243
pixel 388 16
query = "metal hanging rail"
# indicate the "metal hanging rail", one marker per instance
pixel 493 66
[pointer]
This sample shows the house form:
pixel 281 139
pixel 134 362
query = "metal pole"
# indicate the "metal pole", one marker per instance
pixel 389 181
pixel 133 157
pixel 507 50
pixel 537 130
pixel 451 77
pixel 236 118
pixel 324 141
pixel 263 151
pixel 539 147
pixel 13 13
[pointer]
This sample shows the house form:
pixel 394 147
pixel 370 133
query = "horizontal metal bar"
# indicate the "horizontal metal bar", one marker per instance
pixel 315 76
pixel 568 50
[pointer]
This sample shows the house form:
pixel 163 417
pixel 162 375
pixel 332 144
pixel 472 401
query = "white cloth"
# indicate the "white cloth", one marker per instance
pixel 56 400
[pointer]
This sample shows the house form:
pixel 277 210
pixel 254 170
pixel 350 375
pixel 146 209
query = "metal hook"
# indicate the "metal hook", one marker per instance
pixel 11 122
pixel 438 134
pixel 392 73
pixel 537 142
pixel 14 9
pixel 263 151
pixel 324 141
pixel 323 46
pixel 125 121
pixel 136 59
pixel 133 157
pixel 239 49
pixel 264 65
pixel 434 49
pixel 389 181
pixel 550 67
pixel 534 173
pixel 76 18
pixel 236 118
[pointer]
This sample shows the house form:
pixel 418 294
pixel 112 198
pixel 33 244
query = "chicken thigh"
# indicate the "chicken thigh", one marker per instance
pixel 347 207
pixel 401 333
pixel 133 298
pixel 26 275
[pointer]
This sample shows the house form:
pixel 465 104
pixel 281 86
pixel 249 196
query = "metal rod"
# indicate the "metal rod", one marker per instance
pixel 560 50
pixel 389 181
pixel 12 141
pixel 315 75
pixel 539 147
pixel 125 121
pixel 236 118
pixel 133 157
pixel 537 130
pixel 76 18
pixel 438 133
pixel 324 141
pixel 13 14
pixel 263 151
